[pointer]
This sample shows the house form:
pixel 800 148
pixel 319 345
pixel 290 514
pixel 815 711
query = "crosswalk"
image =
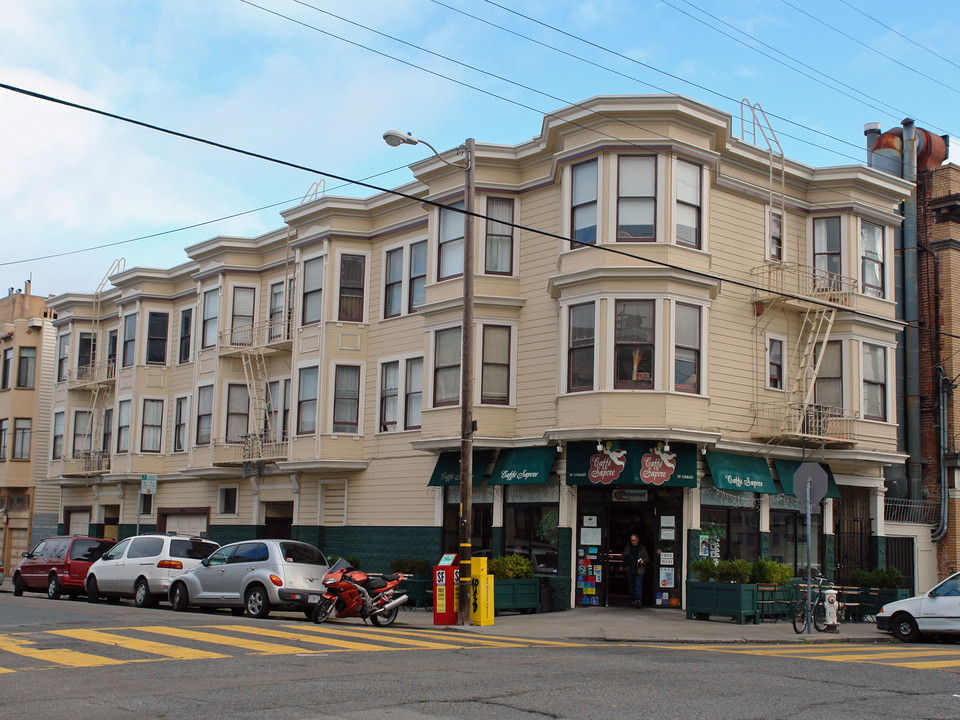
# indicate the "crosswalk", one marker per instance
pixel 917 657
pixel 99 647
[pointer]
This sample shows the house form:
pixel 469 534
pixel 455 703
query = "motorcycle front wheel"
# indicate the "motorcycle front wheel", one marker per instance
pixel 385 618
pixel 322 611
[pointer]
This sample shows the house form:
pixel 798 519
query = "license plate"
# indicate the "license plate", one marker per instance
pixel 313 599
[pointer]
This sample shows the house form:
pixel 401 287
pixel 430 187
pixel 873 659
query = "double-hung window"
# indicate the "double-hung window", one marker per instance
pixel 86 355
pixel 186 332
pixel 393 283
pixel 157 324
pixel 871 261
pixel 346 399
pixel 112 353
pixel 211 311
pixel 129 356
pixel 238 411
pixel 418 276
pixel 826 253
pixel 307 389
pixel 123 426
pixel 446 374
pixel 312 290
pixel 389 395
pixel 241 320
pixel 401 379
pixel 58 420
pixel 687 348
pixel 26 366
pixel 352 270
pixel 204 414
pixel 450 247
pixel 6 373
pixel 495 372
pixel 181 415
pixel 151 426
pixel 874 382
pixel 278 408
pixel 828 388
pixel 634 344
pixel 637 200
pixel 21 438
pixel 106 437
pixel 688 204
pixel 413 394
pixel 581 336
pixel 4 425
pixel 776 236
pixel 583 204
pixel 63 352
pixel 278 320
pixel 82 432
pixel 775 363
pixel 499 245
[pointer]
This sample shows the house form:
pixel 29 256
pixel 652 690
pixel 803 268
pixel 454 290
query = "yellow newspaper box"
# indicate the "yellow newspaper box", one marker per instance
pixel 481 592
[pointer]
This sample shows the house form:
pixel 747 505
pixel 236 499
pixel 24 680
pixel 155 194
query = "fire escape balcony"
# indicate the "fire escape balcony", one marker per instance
pixel 271 335
pixel 796 422
pixel 264 447
pixel 86 464
pixel 86 376
pixel 799 284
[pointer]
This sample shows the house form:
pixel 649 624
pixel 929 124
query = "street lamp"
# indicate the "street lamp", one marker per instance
pixel 395 138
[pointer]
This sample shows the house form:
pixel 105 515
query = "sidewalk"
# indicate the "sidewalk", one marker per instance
pixel 666 625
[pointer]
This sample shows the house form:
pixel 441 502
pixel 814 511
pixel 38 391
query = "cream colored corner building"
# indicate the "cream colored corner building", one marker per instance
pixel 725 307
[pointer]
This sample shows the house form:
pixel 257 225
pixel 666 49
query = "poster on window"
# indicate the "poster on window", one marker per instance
pixel 666 577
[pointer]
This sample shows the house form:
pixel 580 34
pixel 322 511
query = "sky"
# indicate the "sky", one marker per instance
pixel 316 83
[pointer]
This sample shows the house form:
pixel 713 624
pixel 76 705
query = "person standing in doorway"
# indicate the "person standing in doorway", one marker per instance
pixel 635 560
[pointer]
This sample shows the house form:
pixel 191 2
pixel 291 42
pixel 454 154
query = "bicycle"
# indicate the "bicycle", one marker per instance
pixel 800 615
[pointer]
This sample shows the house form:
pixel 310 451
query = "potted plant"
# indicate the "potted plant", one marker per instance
pixel 514 584
pixel 878 587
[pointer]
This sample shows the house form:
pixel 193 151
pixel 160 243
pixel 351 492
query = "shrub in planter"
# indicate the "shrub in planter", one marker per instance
pixel 510 567
pixel 703 569
pixel 409 566
pixel 770 572
pixel 733 571
pixel 889 578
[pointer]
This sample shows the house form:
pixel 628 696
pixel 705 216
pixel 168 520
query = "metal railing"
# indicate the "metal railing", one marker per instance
pixel 264 446
pixel 257 335
pixel 917 512
pixel 806 282
pixel 87 463
pixel 94 373
pixel 816 422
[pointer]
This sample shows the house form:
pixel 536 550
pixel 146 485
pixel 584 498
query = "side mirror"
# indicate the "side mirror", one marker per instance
pixel 205 562
pixel 932 593
pixel 26 555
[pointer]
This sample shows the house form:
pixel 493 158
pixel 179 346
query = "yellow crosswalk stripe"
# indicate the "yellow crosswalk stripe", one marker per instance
pixel 462 638
pixel 848 656
pixel 218 639
pixel 502 638
pixel 927 664
pixel 5 670
pixel 177 652
pixel 302 637
pixel 71 658
pixel 327 631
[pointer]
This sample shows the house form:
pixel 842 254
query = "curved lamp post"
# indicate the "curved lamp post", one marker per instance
pixel 395 138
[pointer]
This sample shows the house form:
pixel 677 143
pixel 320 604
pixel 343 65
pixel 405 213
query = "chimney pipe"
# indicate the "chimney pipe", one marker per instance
pixel 872 131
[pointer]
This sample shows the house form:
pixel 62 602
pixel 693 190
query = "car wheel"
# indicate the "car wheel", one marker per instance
pixel 17 585
pixel 141 595
pixel 905 628
pixel 53 587
pixel 179 598
pixel 93 592
pixel 385 618
pixel 322 611
pixel 257 602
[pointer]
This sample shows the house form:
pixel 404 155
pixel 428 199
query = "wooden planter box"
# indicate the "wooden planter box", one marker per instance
pixel 873 599
pixel 735 600
pixel 419 589
pixel 522 595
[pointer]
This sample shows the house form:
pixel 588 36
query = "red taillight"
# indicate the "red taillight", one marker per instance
pixel 66 567
pixel 276 581
pixel 170 564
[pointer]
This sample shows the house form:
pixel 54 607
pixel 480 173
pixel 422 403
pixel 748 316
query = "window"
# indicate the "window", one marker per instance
pixel 241 322
pixel 352 269
pixel 278 324
pixel 4 423
pixel 634 328
pixel 63 352
pixel 775 363
pixel 307 401
pixel 346 399
pixel 123 426
pixel 828 389
pixel 531 521
pixel 580 347
pixel 106 439
pixel 413 394
pixel 826 253
pixel 57 452
pixel 499 245
pixel 204 414
pixel 583 204
pixel 25 367
pixel 418 275
pixel 687 350
pixel 227 501
pixel 145 547
pixel 151 427
pixel 157 324
pixel 186 332
pixel 450 249
pixel 238 411
pixel 82 432
pixel 129 340
pixel 21 438
pixel 393 283
pixel 181 412
pixel 389 391
pixel 7 373
pixel 86 353
pixel 688 204
pixel 446 376
pixel 146 504
pixel 776 236
pixel 637 201
pixel 495 373
pixel 278 408
pixel 112 353
pixel 312 290
pixel 871 262
pixel 211 310
pixel 874 382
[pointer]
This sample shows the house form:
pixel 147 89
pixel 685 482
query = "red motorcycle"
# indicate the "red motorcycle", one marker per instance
pixel 351 593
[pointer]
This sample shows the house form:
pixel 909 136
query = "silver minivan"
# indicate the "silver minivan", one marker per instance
pixel 142 567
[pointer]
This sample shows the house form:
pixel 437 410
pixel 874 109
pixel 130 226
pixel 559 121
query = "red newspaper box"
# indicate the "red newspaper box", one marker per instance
pixel 446 588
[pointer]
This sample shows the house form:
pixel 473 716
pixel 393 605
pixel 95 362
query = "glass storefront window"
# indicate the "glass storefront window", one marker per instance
pixel 531 516
pixel 737 529
pixel 482 523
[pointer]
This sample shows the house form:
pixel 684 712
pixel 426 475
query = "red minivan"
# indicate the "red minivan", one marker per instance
pixel 59 565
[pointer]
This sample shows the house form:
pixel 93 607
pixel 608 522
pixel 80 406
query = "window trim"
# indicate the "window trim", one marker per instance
pixel 203 390
pixel 152 339
pixel 436 368
pixel 699 206
pixel 128 346
pixel 884 384
pixel 574 206
pixel 143 424
pixel 445 212
pixel 567 335
pixel 363 287
pixel 656 382
pixel 206 323
pixel 654 197
pixel 181 419
pixel 865 289
pixel 782 339
pixel 510 238
pixel 308 293
pixel 699 350
pixel 302 401
pixel 509 364
pixel 335 397
pixel 185 339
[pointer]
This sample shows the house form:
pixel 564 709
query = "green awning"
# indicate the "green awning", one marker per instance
pixel 523 466
pixel 447 470
pixel 786 469
pixel 632 462
pixel 741 473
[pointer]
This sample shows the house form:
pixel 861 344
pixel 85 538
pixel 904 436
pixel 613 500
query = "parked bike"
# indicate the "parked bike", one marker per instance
pixel 799 612
pixel 352 593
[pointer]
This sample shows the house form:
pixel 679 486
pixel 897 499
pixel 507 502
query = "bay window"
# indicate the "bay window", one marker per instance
pixel 446 374
pixel 238 412
pixel 346 399
pixel 637 201
pixel 151 426
pixel 26 366
pixel 211 311
pixel 58 421
pixel 871 260
pixel 241 320
pixel 634 344
pixel 828 388
pixel 450 247
pixel 352 269
pixel 495 371
pixel 413 394
pixel 580 347
pixel 583 205
pixel 82 432
pixel 204 414
pixel 63 352
pixel 307 389
pixel 129 356
pixel 186 330
pixel 826 253
pixel 389 391
pixel 312 290
pixel 687 348
pixel 874 382
pixel 123 426
pixel 393 283
pixel 157 338
pixel 688 204
pixel 418 275
pixel 499 241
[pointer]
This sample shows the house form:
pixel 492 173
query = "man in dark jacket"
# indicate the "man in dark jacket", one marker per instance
pixel 635 560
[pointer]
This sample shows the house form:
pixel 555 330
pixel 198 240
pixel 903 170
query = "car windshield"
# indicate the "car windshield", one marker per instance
pixel 90 550
pixel 949 587
pixel 191 549
pixel 301 553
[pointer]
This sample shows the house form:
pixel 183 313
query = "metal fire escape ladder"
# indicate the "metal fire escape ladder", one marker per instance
pixel 255 373
pixel 777 161
pixel 812 337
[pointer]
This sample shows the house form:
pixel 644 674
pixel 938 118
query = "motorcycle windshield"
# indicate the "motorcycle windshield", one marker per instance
pixel 340 564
